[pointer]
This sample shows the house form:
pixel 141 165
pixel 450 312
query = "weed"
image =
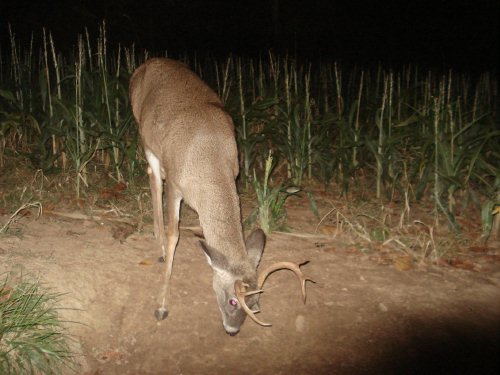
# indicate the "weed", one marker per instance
pixel 32 336
pixel 270 212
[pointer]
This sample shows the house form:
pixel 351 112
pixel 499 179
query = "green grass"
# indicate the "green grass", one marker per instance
pixel 270 212
pixel 32 337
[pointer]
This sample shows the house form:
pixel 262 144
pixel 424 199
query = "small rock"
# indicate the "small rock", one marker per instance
pixel 300 323
pixel 382 307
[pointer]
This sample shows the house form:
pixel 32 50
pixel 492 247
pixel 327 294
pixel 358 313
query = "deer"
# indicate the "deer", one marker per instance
pixel 190 146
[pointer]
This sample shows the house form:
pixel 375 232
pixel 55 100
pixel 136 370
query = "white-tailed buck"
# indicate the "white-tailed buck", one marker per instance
pixel 190 146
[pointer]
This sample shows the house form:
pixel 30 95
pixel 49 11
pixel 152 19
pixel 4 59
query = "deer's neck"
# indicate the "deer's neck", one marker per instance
pixel 220 218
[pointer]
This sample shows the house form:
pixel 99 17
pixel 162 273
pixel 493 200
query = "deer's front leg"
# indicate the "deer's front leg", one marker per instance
pixel 173 202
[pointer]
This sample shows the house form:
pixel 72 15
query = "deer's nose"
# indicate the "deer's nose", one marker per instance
pixel 231 331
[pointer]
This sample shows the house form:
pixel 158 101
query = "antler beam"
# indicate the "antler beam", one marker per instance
pixel 285 265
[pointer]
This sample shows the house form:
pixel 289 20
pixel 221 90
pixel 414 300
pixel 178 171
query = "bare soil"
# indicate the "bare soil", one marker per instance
pixel 366 314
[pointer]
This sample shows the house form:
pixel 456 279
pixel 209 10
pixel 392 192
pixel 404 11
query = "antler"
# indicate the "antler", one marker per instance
pixel 240 287
pixel 240 291
pixel 285 265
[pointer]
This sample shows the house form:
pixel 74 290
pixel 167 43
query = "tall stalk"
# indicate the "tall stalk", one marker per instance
pixel 356 122
pixel 57 71
pixel 437 201
pixel 49 93
pixel 102 58
pixel 338 86
pixel 244 131
pixel 308 119
pixel 288 100
pixel 81 146
pixel 381 139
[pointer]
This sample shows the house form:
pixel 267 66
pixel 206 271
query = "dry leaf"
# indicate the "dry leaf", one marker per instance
pixel 329 229
pixel 403 263
pixel 6 293
pixel 119 187
pixel 146 262
pixel 114 193
pixel 462 264
pixel 479 249
pixel 352 249
pixel 122 231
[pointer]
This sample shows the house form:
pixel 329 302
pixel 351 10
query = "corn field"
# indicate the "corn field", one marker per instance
pixel 408 132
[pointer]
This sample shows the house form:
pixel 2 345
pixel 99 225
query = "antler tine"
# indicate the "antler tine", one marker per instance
pixel 285 265
pixel 241 293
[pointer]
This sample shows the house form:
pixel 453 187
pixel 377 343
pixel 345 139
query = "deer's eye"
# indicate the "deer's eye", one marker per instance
pixel 233 302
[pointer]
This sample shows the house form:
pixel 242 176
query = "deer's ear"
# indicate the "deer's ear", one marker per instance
pixel 214 258
pixel 255 246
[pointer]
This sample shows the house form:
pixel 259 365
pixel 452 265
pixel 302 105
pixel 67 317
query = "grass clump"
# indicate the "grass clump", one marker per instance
pixel 270 211
pixel 32 336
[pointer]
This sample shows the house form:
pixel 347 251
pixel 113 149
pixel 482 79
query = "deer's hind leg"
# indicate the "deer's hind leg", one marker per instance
pixel 156 185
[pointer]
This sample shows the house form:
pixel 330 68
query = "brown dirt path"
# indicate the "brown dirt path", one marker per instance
pixel 360 318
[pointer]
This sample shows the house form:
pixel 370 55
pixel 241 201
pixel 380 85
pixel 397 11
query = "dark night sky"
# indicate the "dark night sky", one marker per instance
pixel 438 33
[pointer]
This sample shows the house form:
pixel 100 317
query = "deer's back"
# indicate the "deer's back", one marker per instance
pixel 182 121
pixel 169 88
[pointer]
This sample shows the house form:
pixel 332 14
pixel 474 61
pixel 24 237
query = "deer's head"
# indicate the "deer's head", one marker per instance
pixel 237 284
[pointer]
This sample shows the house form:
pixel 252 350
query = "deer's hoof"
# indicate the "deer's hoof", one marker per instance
pixel 161 259
pixel 161 313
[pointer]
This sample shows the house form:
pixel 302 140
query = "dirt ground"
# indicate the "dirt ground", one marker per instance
pixel 364 315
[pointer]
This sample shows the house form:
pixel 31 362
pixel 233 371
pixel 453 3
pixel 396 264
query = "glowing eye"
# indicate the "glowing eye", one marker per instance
pixel 233 302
